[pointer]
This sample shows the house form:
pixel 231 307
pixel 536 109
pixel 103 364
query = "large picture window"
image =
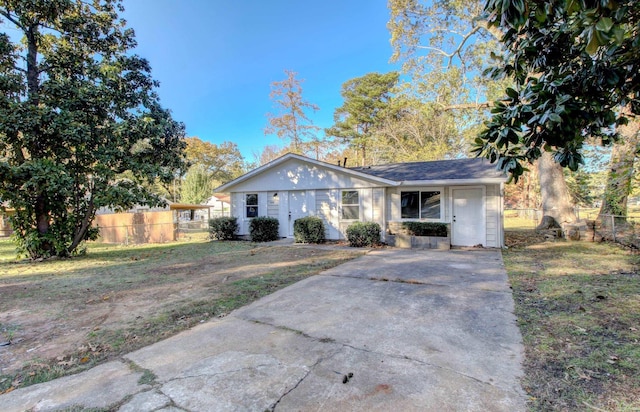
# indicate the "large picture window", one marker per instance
pixel 420 205
pixel 350 205
pixel 252 204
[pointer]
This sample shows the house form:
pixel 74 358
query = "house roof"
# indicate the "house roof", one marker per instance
pixel 440 172
pixel 449 171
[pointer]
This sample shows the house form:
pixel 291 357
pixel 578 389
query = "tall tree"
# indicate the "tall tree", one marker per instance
pixel 416 131
pixel 197 185
pixel 291 122
pixel 449 44
pixel 621 172
pixel 268 153
pixel 444 46
pixel 77 110
pixel 366 104
pixel 223 162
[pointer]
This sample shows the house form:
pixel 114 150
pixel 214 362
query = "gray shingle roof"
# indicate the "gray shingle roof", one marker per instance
pixel 454 169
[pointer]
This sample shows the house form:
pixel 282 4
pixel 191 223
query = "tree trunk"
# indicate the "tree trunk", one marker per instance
pixel 556 201
pixel 621 173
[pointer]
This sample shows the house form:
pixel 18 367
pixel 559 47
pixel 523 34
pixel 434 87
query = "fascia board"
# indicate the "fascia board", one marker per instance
pixel 453 182
pixel 225 187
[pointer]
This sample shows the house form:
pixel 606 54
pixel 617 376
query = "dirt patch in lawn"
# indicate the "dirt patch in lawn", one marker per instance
pixel 59 316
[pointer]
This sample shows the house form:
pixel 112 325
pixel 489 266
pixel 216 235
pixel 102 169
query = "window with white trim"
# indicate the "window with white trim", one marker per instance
pixel 425 204
pixel 350 205
pixel 252 204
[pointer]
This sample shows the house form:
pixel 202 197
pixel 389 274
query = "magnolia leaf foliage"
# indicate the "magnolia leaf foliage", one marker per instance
pixel 576 69
pixel 78 113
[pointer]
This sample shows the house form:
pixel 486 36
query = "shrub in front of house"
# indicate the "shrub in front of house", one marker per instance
pixel 264 229
pixel 425 228
pixel 362 234
pixel 308 229
pixel 223 228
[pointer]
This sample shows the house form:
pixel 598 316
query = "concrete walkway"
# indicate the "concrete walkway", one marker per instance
pixel 395 330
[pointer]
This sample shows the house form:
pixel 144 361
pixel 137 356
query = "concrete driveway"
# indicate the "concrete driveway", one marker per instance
pixel 398 330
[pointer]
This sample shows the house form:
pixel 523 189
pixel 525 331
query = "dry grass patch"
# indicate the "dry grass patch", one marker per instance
pixel 578 307
pixel 59 316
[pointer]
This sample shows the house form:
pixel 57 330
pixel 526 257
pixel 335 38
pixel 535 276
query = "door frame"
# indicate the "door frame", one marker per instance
pixel 452 190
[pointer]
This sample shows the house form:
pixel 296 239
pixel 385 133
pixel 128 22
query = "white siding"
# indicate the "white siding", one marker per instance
pixel 377 213
pixel 493 216
pixel 446 194
pixel 296 175
pixel 238 209
pixel 273 204
pixel 327 210
pixel 393 194
pixel 366 205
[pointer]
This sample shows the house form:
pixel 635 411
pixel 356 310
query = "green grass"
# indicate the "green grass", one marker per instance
pixel 197 280
pixel 578 308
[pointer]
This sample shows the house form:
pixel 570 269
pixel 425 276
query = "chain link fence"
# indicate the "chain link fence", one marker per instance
pixel 592 225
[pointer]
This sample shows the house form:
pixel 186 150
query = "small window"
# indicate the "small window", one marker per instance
pixel 252 204
pixel 420 205
pixel 350 205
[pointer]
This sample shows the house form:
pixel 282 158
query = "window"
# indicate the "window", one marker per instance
pixel 430 205
pixel 252 204
pixel 350 205
pixel 420 205
pixel 410 206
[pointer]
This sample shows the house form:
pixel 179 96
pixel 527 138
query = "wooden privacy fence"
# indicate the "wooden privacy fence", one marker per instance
pixel 140 227
pixel 137 228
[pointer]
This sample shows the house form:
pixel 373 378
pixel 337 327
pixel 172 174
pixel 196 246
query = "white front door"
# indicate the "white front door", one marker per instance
pixel 468 226
pixel 297 207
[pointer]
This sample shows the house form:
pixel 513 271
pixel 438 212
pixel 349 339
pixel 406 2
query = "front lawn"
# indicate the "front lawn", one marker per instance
pixel 62 315
pixel 578 308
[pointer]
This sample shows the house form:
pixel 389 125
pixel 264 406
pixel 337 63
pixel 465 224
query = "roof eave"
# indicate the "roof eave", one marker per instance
pixel 454 182
pixel 225 187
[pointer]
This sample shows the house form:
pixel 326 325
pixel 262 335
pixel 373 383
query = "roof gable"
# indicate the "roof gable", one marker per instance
pixel 294 172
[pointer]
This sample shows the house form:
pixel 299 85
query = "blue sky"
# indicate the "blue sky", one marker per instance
pixel 216 59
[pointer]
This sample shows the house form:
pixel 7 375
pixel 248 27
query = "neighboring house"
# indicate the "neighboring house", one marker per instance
pixel 467 194
pixel 220 205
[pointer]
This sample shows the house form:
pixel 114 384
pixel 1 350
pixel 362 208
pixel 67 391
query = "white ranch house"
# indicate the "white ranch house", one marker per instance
pixel 467 194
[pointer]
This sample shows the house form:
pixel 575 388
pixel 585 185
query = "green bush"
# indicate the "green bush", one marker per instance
pixel 363 234
pixel 263 229
pixel 223 228
pixel 425 228
pixel 308 229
